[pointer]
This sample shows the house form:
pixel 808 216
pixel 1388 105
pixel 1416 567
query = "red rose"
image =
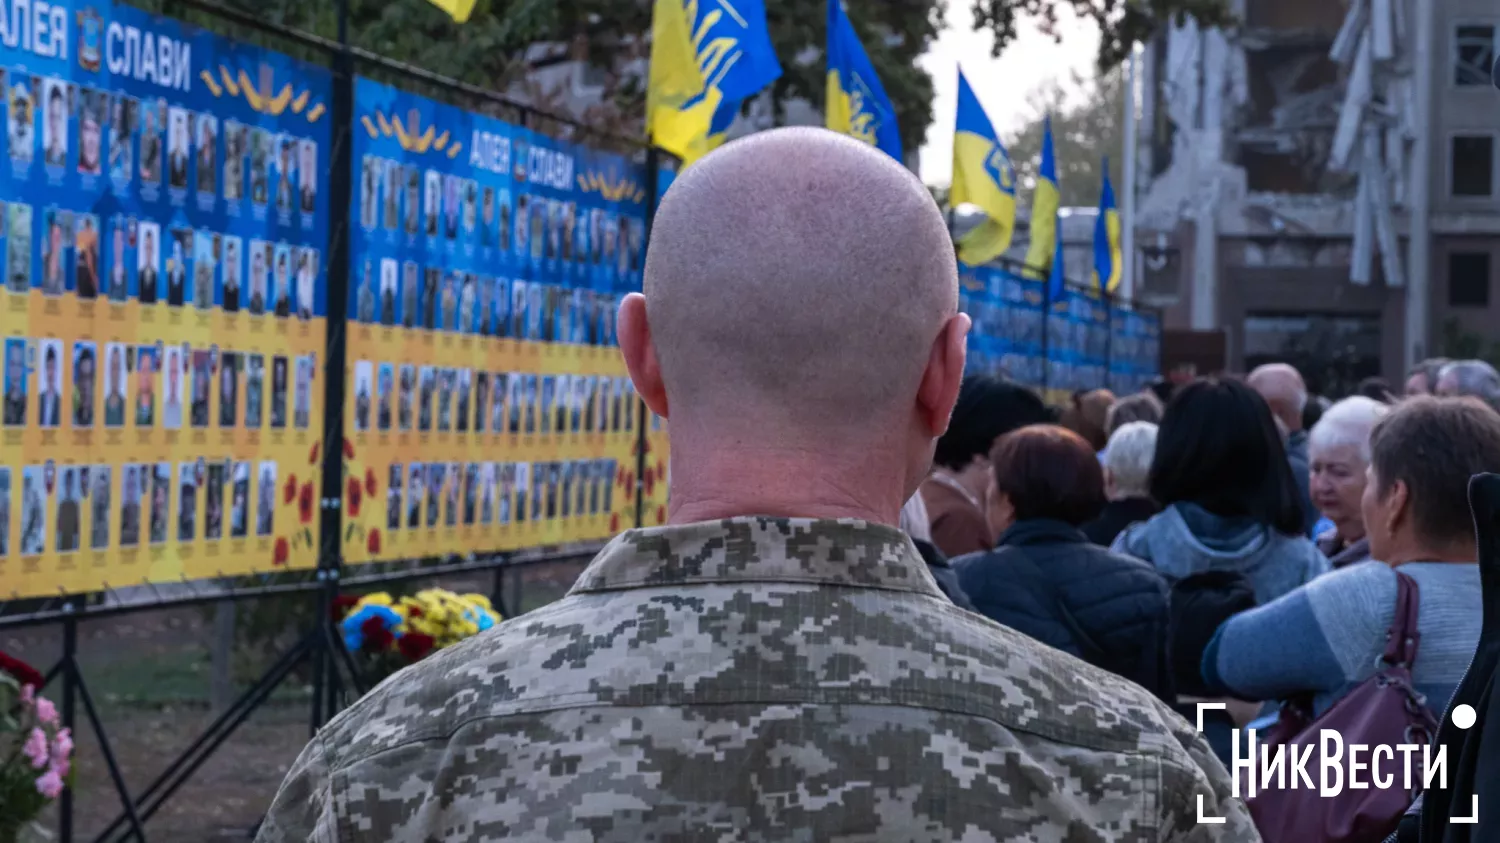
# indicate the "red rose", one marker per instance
pixel 377 637
pixel 411 611
pixel 348 450
pixel 283 552
pixel 289 494
pixel 370 485
pixel 305 502
pixel 312 456
pixel 354 495
pixel 614 522
pixel 341 606
pixel 372 543
pixel 414 646
pixel 21 672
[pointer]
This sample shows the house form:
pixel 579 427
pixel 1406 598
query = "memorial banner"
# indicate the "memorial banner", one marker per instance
pixel 488 407
pixel 162 221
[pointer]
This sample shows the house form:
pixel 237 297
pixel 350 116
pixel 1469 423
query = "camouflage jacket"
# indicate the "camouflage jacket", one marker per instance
pixel 757 679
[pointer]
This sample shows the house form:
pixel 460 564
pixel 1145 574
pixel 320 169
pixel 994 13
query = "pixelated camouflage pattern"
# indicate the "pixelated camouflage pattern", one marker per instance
pixel 756 679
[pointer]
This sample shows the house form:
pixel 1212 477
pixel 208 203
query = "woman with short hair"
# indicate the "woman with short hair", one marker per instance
pixel 1047 580
pixel 1340 450
pixel 1127 482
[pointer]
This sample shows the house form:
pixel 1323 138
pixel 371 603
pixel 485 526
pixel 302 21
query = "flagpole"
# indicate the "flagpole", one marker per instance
pixel 1127 245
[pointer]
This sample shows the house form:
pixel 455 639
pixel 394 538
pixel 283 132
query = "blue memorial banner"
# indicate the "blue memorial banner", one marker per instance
pixel 163 220
pixel 490 404
pixel 1080 341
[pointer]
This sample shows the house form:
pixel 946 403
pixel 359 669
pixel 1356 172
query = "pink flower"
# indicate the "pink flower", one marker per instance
pixel 46 712
pixel 28 695
pixel 50 784
pixel 35 749
pixel 62 751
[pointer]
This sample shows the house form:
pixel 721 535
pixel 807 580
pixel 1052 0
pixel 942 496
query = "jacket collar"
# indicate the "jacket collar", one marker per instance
pixel 1041 531
pixel 847 553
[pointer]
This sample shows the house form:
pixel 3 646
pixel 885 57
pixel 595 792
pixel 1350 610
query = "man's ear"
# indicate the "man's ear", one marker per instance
pixel 944 375
pixel 640 353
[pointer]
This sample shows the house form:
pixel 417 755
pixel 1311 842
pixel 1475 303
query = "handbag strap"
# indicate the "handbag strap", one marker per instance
pixel 1402 638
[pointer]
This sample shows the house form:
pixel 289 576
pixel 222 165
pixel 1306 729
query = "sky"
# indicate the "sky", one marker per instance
pixel 1002 84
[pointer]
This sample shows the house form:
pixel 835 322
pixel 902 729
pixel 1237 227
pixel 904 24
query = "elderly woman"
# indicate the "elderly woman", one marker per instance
pixel 1340 450
pixel 1045 578
pixel 1127 477
pixel 1469 377
pixel 1326 637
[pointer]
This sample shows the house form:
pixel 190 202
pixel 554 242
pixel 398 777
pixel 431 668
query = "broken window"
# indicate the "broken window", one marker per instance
pixel 1472 159
pixel 1474 53
pixel 1469 279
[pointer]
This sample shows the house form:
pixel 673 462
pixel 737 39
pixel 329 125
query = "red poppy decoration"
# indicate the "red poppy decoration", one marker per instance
pixel 370 484
pixel 305 503
pixel 283 552
pixel 289 493
pixel 348 450
pixel 377 637
pixel 372 542
pixel 415 646
pixel 341 606
pixel 312 456
pixel 354 496
pixel 21 672
pixel 614 522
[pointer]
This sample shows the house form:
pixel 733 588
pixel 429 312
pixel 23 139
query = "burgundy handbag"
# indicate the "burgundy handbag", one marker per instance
pixel 1384 709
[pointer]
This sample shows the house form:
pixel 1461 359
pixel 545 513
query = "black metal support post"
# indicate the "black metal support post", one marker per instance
pixel 178 772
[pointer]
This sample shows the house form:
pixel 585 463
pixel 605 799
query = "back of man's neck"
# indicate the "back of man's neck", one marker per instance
pixel 710 484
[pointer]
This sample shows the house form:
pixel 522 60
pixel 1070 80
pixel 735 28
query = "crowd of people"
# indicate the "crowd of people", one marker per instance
pixel 893 602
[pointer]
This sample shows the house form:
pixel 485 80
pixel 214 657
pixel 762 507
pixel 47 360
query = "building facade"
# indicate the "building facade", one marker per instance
pixel 1251 202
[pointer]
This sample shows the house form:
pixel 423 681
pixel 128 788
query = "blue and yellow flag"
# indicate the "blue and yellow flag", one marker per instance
pixel 1108 263
pixel 982 176
pixel 857 104
pixel 459 10
pixel 707 57
pixel 1044 253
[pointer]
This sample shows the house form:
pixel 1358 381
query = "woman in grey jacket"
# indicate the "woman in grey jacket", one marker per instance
pixel 1230 503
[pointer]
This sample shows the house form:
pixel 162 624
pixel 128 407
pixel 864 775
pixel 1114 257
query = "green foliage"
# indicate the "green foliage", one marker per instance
pixel 1085 127
pixel 1122 23
pixel 1458 344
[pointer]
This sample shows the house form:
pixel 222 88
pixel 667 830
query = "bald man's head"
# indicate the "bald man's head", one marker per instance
pixel 798 286
pixel 797 273
pixel 1283 388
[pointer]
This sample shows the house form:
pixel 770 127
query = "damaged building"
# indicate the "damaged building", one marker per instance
pixel 1319 186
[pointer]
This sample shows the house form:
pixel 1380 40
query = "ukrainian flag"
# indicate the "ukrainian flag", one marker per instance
pixel 1108 262
pixel 707 57
pixel 857 104
pixel 459 10
pixel 982 176
pixel 1044 254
